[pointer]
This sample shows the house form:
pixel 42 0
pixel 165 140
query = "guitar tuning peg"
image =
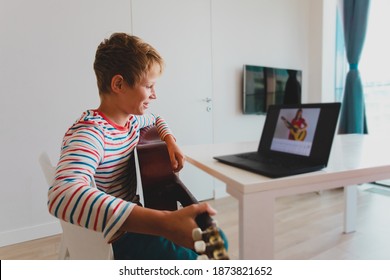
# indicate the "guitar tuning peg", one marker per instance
pixel 202 257
pixel 200 246
pixel 197 234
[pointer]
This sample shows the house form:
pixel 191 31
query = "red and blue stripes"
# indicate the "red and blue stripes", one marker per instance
pixel 93 186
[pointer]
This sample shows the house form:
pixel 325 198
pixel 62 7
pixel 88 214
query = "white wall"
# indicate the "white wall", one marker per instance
pixel 269 33
pixel 46 79
pixel 321 45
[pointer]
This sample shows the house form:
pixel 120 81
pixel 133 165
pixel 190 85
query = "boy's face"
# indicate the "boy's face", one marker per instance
pixel 137 98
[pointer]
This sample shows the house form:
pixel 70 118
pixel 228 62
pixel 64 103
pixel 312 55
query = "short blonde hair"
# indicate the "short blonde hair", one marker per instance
pixel 125 55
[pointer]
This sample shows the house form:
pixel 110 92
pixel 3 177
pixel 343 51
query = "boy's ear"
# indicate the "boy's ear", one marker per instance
pixel 117 83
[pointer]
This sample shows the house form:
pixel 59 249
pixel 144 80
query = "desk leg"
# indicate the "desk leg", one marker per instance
pixel 256 221
pixel 350 211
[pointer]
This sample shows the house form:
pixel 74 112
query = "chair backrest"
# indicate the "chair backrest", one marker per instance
pixel 77 243
pixel 47 168
pixel 85 244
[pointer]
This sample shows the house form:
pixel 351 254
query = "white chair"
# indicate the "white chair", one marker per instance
pixel 77 243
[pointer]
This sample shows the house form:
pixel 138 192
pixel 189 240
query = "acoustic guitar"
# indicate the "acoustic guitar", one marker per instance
pixel 163 190
pixel 295 131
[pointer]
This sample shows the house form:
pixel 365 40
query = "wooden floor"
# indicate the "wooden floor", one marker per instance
pixel 307 226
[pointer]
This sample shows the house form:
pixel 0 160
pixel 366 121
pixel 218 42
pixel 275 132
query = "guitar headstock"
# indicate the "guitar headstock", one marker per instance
pixel 208 241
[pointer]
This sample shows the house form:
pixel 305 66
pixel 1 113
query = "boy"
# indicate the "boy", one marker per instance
pixel 93 187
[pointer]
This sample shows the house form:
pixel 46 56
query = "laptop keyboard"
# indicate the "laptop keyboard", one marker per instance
pixel 285 163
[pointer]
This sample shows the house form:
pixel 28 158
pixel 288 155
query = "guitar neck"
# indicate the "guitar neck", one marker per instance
pixel 290 125
pixel 204 221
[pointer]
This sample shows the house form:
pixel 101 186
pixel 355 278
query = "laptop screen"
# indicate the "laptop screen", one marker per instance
pixel 295 129
pixel 305 130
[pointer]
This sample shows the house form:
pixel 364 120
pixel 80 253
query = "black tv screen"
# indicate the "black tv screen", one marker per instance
pixel 264 86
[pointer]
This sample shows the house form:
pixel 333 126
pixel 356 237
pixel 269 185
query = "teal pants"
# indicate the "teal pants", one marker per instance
pixel 135 246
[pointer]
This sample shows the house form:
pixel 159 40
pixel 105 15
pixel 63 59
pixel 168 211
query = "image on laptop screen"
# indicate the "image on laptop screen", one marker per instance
pixel 294 132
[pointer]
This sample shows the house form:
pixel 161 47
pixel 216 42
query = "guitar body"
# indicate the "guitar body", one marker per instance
pixel 295 132
pixel 163 190
pixel 298 135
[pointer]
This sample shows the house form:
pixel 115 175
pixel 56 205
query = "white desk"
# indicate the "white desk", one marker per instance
pixel 355 159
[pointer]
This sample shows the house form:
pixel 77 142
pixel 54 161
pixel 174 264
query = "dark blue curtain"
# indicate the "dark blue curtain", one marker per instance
pixel 353 113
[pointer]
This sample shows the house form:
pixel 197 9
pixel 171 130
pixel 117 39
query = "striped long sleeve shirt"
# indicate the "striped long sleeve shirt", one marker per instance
pixel 94 183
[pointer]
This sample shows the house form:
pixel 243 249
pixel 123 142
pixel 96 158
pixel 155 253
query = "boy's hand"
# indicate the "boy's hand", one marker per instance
pixel 176 225
pixel 175 154
pixel 182 222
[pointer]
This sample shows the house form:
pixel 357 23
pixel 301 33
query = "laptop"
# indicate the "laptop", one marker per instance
pixel 296 139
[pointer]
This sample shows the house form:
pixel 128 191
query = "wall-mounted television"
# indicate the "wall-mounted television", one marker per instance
pixel 264 86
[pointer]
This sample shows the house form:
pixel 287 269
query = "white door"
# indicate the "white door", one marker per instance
pixel 180 30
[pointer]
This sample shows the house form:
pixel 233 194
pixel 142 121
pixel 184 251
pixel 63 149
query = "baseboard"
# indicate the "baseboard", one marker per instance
pixel 29 233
